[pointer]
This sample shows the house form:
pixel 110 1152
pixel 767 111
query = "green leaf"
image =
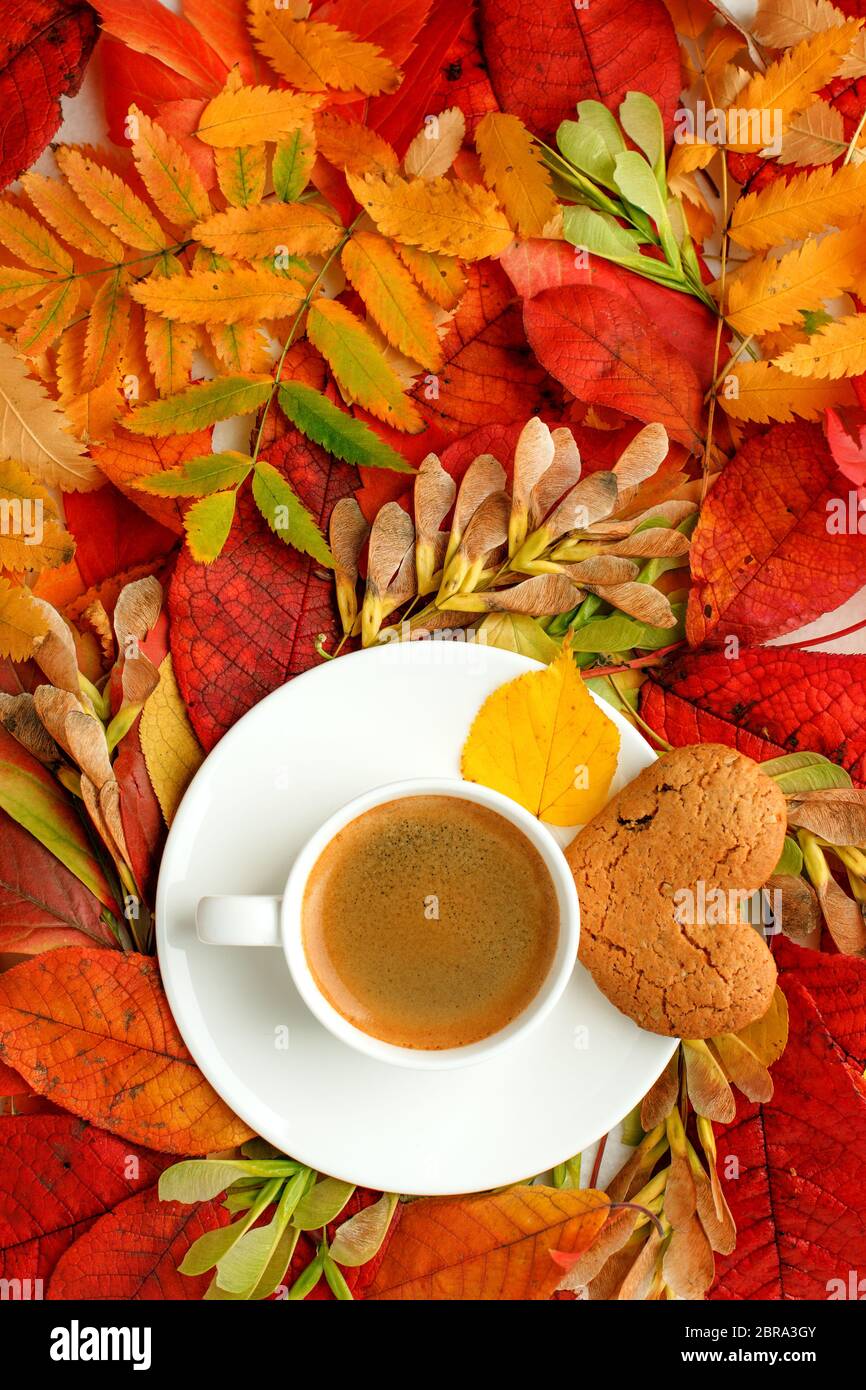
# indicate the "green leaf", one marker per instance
pixel 602 236
pixel 207 525
pixel 286 514
pixel 805 772
pixel 199 477
pixel 340 434
pixel 641 120
pixel 593 142
pixel 213 1247
pixel 791 861
pixel 336 1281
pixel 517 632
pixel 637 184
pixel 619 633
pixel 200 405
pixel 200 1180
pixel 245 1265
pixel 323 1203
pixel 623 700
pixel 294 158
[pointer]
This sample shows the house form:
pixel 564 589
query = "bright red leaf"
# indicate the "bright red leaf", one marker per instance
pixel 837 985
pixel 148 27
pixel 848 447
pixel 464 80
pixel 42 904
pixel 400 116
pixel 112 534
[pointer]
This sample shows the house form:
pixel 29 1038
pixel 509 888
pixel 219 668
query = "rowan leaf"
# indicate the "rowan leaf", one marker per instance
pixel 361 371
pixel 253 115
pixel 32 537
pixel 242 174
pixel 94 1028
pixel 171 750
pixel 293 163
pixel 32 243
pixel 18 285
pixel 542 740
pixel 199 476
pixel 767 294
pixel 207 524
pixel 22 622
pixel 440 277
pixel 46 322
pixel 391 298
pixel 169 346
pixel 337 432
pixel 352 147
pixel 458 219
pixel 241 294
pixel 514 169
pixel 168 173
pixel 32 430
pixel 789 211
pixel 110 200
pixel 107 329
pixel 789 84
pixel 286 514
pixel 269 230
pixel 314 56
pixel 816 136
pixel 436 147
pixel 64 211
pixel 200 405
pixel 762 392
pixel 837 350
pixel 783 23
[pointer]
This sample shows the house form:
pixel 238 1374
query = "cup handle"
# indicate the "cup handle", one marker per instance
pixel 238 921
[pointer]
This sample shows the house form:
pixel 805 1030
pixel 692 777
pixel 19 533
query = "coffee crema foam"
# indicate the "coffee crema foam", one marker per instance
pixel 430 922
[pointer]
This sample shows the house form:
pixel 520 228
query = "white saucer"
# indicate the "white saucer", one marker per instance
pixel 346 726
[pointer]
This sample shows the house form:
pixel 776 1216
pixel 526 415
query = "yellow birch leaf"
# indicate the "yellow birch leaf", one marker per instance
pixel 167 172
pixel 789 211
pixel 31 537
pixel 353 147
pixel 252 115
pixel 265 230
pixel 838 349
pixel 107 328
pixel 32 431
pixel 459 219
pixel 169 346
pixel 64 211
pixel 789 84
pixel 513 168
pixel 436 147
pixel 171 750
pixel 242 174
pixel 542 740
pixel 763 393
pixel 440 277
pixel 16 285
pixel 231 296
pixel 766 294
pixel 314 56
pixel 361 371
pixel 22 624
pixel 31 242
pixel 108 198
pixel 391 298
pixel 46 322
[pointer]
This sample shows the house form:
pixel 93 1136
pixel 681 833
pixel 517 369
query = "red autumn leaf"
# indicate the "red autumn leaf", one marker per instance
pixel 837 986
pixel 222 23
pixel 358 1278
pixel 112 535
pixel 58 1175
pixel 848 447
pixel 686 323
pixel 44 49
pixel 143 825
pixel 543 60
pixel 765 557
pixel 149 28
pixel 399 117
pixel 132 1253
pixel 767 701
pixel 392 25
pixel 799 1201
pixel 245 624
pixel 42 904
pixel 608 352
pixel 127 458
pixel 11 1082
pixel 463 78
pixel 93 1030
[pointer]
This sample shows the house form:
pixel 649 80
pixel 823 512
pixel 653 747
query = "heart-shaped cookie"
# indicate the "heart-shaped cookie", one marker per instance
pixel 661 873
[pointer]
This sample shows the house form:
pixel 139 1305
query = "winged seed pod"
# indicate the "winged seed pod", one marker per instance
pixel 533 455
pixel 347 532
pixel 486 531
pixel 484 475
pixel 19 718
pixel 392 543
pixel 434 495
pixel 559 478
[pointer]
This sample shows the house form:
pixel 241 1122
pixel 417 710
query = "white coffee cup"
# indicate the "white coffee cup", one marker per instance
pixel 272 921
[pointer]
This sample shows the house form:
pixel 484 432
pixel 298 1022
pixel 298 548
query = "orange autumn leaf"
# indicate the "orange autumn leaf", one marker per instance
pixel 766 294
pixel 353 147
pixel 126 459
pixel 109 199
pixel 268 228
pixel 392 299
pixel 762 392
pixel 497 1246
pixel 542 740
pixel 513 168
pixel 93 1029
pixel 107 329
pixel 168 173
pixel 313 56
pixel 251 115
pixel 241 294
pixel 456 218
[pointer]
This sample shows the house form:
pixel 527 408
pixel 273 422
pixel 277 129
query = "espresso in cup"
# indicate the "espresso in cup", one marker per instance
pixel 430 922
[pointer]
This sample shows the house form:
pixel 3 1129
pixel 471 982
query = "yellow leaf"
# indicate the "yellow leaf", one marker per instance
pixel 66 213
pixel 766 294
pixel 440 277
pixel 109 199
pixel 107 328
pixel 542 740
pixel 436 147
pixel 32 431
pixel 169 346
pixel 459 219
pixel 789 84
pixel 21 622
pixel 47 321
pixel 31 242
pixel 91 413
pixel 266 230
pixel 252 115
pixel 16 285
pixel 838 349
pixel 31 537
pixel 783 23
pixel 241 174
pixel 167 173
pixel 789 211
pixel 513 167
pixel 353 147
pixel 315 56
pixel 764 393
pixel 293 163
pixel 240 347
pixel 361 371
pixel 816 136
pixel 171 749
pixel 227 296
pixel 392 298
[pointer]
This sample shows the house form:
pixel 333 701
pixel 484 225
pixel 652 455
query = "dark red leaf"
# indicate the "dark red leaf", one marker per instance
pixel 463 78
pixel 359 1278
pixel 58 1174
pixel 543 59
pixel 42 904
pixel 399 117
pixel 247 623
pixel 837 985
pixel 143 825
pixel 44 49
